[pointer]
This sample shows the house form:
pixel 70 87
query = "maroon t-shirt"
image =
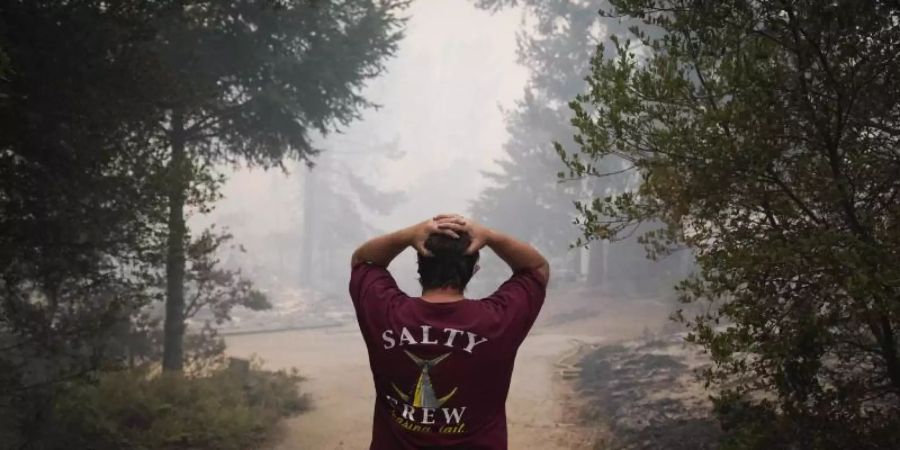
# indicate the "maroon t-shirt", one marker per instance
pixel 442 370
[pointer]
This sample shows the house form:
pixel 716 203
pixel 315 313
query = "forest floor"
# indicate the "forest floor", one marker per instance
pixel 644 394
pixel 545 407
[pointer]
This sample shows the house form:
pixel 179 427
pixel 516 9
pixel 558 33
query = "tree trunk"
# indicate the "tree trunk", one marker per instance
pixel 173 352
pixel 307 247
pixel 597 264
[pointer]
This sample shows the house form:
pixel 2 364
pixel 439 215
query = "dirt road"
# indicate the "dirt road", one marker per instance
pixel 334 360
pixel 540 408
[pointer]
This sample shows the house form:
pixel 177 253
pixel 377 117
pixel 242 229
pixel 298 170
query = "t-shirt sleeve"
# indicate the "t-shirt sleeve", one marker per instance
pixel 520 298
pixel 370 282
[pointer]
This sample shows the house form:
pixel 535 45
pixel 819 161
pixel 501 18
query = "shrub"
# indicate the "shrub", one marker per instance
pixel 227 409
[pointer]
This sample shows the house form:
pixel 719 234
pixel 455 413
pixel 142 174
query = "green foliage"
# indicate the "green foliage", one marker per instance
pixel 214 289
pixel 113 118
pixel 249 81
pixel 765 137
pixel 132 409
pixel 80 211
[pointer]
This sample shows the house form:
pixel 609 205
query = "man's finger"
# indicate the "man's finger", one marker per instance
pixel 451 225
pixel 458 220
pixel 473 247
pixel 445 216
pixel 449 232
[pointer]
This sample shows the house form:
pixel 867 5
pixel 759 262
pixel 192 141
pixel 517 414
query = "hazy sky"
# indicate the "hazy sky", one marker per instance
pixel 441 98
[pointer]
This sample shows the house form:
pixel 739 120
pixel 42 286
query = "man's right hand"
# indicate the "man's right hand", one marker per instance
pixel 479 234
pixel 420 232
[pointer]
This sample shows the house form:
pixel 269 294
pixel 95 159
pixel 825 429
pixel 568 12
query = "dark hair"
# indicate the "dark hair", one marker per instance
pixel 448 265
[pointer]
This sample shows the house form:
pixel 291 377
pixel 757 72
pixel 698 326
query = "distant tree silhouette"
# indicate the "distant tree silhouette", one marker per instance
pixel 526 197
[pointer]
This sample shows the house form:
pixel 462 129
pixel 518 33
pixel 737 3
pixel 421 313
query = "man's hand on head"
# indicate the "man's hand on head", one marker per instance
pixel 479 234
pixel 383 249
pixel 518 254
pixel 422 230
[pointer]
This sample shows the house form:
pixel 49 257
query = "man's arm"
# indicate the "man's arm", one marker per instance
pixel 519 255
pixel 383 249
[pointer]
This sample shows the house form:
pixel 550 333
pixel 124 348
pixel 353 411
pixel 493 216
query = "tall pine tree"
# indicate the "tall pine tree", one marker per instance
pixel 250 80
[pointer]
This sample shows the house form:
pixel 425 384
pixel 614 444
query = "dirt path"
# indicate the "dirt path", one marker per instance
pixel 334 360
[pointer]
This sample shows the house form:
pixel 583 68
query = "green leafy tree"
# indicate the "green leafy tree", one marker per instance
pixel 212 294
pixel 110 114
pixel 249 80
pixel 765 135
pixel 80 217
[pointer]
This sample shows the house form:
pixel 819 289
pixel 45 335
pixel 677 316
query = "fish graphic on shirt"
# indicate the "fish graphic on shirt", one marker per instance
pixel 423 394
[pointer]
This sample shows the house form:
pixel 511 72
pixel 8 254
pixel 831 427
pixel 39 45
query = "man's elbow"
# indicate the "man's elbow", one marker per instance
pixel 355 259
pixel 544 272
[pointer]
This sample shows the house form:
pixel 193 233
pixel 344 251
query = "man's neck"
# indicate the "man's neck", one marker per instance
pixel 442 295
